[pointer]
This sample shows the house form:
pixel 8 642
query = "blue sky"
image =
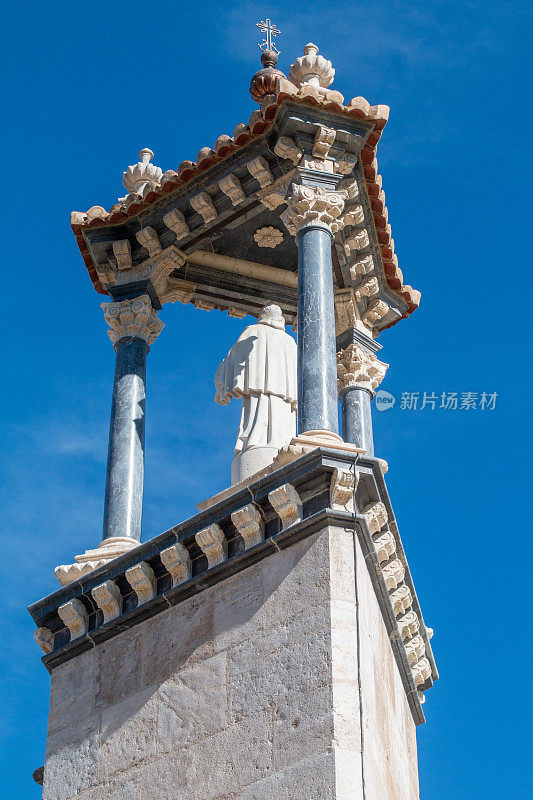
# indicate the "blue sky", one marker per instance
pixel 85 88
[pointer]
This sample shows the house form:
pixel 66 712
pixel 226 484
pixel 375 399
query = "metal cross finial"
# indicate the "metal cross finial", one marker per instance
pixel 269 30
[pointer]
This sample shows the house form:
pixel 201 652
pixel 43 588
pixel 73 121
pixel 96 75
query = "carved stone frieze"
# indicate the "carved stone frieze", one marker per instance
pixel 342 487
pixel 401 599
pixel 345 310
pixel 231 186
pixel 376 516
pixel 421 671
pixel 203 204
pixel 393 573
pixel 408 625
pixel 148 238
pixel 286 147
pixel 415 649
pixel 361 267
pixel 177 290
pixel 249 523
pixel 354 215
pixel 376 311
pixel 108 598
pixel 287 504
pixel 313 206
pixel 213 544
pixel 349 185
pixel 259 169
pixel 385 545
pixel 177 561
pixel 142 580
pixel 345 163
pixel 45 639
pixel 357 367
pixel 357 241
pixel 324 138
pixel 74 615
pixel 202 305
pixel 122 253
pixel 368 288
pixel 176 222
pixel 135 318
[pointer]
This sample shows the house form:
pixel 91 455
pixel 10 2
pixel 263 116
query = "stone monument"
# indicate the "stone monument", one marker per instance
pixel 273 645
pixel 260 368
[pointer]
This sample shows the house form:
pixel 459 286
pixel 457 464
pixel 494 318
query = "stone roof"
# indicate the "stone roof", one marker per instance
pixel 260 122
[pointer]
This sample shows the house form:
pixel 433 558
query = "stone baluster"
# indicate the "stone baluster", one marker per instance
pixel 359 373
pixel 313 217
pixel 133 327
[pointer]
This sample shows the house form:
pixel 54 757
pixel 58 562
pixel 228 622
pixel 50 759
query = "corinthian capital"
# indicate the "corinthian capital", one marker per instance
pixel 134 318
pixel 357 367
pixel 313 206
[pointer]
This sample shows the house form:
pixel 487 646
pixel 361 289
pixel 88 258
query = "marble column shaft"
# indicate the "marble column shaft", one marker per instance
pixel 357 418
pixel 133 327
pixel 317 362
pixel 125 460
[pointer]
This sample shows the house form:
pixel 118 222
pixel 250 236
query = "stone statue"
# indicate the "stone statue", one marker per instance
pixel 260 368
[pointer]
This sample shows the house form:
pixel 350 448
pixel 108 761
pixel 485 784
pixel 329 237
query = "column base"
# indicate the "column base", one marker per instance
pixel 305 442
pixel 106 551
pixel 299 446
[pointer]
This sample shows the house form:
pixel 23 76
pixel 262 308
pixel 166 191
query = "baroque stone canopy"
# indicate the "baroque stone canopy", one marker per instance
pixel 204 214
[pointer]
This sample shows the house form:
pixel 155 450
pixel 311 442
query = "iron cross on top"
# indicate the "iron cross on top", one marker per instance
pixel 269 30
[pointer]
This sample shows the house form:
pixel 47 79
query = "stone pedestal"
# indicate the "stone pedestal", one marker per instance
pixel 264 651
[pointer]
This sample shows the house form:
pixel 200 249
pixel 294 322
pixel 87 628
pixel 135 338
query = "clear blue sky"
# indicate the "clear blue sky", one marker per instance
pixel 85 87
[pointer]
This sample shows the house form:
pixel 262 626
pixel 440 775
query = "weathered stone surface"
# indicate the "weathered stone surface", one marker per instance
pixel 127 733
pixel 246 691
pixel 193 704
pixel 71 760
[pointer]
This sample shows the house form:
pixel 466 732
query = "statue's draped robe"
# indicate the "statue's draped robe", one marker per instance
pixel 260 368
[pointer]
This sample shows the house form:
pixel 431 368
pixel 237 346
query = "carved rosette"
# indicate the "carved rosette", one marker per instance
pixel 358 368
pixel 313 206
pixel 267 236
pixel 135 318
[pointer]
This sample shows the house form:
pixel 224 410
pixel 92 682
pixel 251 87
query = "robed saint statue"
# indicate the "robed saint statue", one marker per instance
pixel 260 369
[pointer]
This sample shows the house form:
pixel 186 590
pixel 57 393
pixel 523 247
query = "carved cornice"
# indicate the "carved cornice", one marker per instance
pixel 357 368
pixel 345 310
pixel 135 318
pixel 157 268
pixel 65 629
pixel 313 206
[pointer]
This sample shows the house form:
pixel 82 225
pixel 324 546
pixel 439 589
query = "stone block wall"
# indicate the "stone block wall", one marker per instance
pixel 248 690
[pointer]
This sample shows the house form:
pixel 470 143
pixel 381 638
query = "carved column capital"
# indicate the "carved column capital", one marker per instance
pixel 313 206
pixel 358 368
pixel 132 318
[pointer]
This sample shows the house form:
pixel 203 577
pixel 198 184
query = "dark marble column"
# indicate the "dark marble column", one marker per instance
pixel 357 418
pixel 359 374
pixel 125 459
pixel 313 214
pixel 317 363
pixel 134 326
